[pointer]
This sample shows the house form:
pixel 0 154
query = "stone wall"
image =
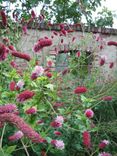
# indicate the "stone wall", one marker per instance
pixel 34 33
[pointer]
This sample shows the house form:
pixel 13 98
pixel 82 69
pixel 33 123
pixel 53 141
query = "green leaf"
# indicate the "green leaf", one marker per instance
pixel 10 149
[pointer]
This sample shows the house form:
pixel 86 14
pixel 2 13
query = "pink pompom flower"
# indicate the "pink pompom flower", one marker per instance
pixel 59 144
pixel 25 95
pixel 103 144
pixel 57 133
pixel 107 98
pixel 19 84
pixel 104 154
pixel 18 135
pixel 102 60
pixel 31 110
pixel 80 89
pixel 89 113
pixel 78 54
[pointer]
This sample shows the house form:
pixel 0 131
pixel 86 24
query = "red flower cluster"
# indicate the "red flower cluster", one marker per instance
pixel 107 98
pixel 89 113
pixel 25 95
pixel 21 55
pixel 43 42
pixel 4 19
pixel 103 144
pixel 22 126
pixel 8 108
pixel 86 139
pixel 111 65
pixel 80 89
pixel 12 85
pixel 3 52
pixel 112 43
pixel 48 74
pixel 31 110
pixel 33 15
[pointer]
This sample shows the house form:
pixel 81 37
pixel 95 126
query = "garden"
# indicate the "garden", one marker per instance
pixel 56 98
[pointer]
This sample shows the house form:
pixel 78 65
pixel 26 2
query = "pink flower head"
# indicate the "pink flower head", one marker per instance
pixel 4 18
pixel 12 48
pixel 56 124
pixel 73 39
pixel 107 98
pixel 57 133
pixel 3 52
pixel 62 40
pixel 61 26
pixel 20 84
pixel 24 29
pixel 59 119
pixel 18 135
pixel 104 154
pixel 22 126
pixel 49 75
pixel 59 144
pixel 102 60
pixel 12 85
pixel 40 122
pixel 8 108
pixel 55 33
pixel 13 64
pixel 86 139
pixel 89 113
pixel 103 144
pixel 80 89
pixel 78 54
pixel 25 95
pixel 50 63
pixel 112 43
pixel 33 15
pixel 43 42
pixel 31 110
pixel 21 55
pixel 111 64
pixel 38 71
pixel 64 32
pixel 65 71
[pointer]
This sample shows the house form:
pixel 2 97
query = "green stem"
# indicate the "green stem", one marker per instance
pixel 1 140
pixel 25 148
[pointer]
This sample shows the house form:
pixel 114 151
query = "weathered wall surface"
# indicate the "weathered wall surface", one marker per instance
pixel 88 43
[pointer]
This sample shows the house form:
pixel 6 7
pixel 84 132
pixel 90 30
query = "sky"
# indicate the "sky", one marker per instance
pixel 110 4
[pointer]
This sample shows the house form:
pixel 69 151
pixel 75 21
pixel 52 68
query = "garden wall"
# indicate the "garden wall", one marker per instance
pixel 103 34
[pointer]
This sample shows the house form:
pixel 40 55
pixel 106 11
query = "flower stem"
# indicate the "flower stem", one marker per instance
pixel 3 130
pixel 25 148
